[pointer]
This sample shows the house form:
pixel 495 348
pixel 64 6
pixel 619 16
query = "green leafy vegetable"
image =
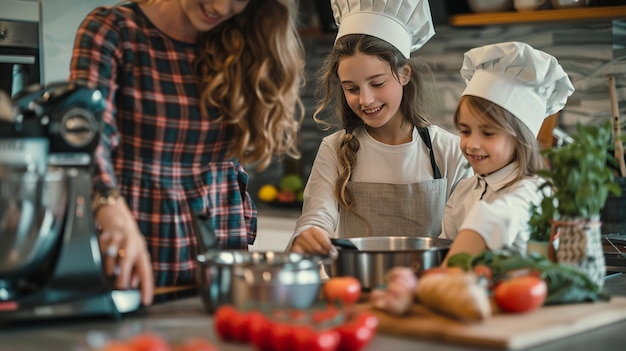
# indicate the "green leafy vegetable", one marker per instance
pixel 565 284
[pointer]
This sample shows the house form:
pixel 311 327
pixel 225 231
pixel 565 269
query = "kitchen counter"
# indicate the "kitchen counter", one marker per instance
pixel 185 317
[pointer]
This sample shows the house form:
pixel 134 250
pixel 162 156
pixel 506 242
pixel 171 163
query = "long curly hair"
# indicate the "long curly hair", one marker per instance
pixel 414 106
pixel 252 69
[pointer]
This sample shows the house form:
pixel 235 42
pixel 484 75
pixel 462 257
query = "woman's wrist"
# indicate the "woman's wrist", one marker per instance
pixel 109 197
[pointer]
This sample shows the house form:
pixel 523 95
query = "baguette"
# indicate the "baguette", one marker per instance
pixel 459 296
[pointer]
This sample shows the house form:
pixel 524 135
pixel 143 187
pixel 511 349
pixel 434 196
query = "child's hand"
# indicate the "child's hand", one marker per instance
pixel 314 241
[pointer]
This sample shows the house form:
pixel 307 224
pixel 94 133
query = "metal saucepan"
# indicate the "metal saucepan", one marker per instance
pixel 250 279
pixel 375 256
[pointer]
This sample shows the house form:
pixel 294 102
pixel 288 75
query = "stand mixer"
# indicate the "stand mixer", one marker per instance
pixel 50 262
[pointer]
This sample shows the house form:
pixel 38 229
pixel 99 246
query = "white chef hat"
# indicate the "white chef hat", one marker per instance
pixel 405 24
pixel 527 82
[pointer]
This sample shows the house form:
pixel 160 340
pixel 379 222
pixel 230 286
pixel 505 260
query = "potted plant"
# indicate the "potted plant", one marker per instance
pixel 540 227
pixel 581 183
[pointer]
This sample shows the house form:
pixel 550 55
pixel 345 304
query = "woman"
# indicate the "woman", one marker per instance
pixel 195 89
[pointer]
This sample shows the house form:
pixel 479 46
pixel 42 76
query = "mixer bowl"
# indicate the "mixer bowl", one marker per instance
pixel 32 212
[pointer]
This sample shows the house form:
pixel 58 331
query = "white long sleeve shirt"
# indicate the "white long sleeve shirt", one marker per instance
pixel 378 163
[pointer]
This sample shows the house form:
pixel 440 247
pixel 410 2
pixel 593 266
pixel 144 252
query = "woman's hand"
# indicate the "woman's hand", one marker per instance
pixel 314 241
pixel 124 251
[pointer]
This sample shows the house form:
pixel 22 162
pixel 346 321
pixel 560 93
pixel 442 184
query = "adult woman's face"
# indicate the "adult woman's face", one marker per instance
pixel 205 15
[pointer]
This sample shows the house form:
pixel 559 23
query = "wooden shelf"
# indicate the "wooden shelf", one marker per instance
pixel 548 15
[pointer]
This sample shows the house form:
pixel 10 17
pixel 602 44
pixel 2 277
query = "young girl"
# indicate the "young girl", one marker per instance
pixel 194 90
pixel 389 171
pixel 511 89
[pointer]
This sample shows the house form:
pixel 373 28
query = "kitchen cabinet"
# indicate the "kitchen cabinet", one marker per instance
pixel 549 15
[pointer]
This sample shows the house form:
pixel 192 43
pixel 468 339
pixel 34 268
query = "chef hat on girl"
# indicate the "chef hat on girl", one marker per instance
pixel 405 24
pixel 527 82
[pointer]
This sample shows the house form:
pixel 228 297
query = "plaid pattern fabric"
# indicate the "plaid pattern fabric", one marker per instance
pixel 156 148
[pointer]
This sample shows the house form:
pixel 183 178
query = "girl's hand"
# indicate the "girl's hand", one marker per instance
pixel 314 241
pixel 124 252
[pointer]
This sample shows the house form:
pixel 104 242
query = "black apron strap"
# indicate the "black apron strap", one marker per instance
pixel 425 135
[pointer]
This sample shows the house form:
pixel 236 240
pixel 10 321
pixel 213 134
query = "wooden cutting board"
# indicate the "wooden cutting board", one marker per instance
pixel 505 331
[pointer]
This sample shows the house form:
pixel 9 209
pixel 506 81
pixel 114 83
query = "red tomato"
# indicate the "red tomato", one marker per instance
pixel 195 344
pixel 346 289
pixel 357 332
pixel 239 326
pixel 305 338
pixel 281 337
pixel 148 342
pixel 223 321
pixel 354 336
pixel 367 319
pixel 259 330
pixel 520 294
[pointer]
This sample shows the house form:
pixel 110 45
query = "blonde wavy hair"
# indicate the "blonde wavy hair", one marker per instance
pixel 251 70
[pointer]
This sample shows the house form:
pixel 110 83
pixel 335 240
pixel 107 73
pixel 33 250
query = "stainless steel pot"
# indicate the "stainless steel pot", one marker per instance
pixel 252 279
pixel 374 256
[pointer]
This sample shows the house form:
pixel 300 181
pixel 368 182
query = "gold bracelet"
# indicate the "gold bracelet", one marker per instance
pixel 110 198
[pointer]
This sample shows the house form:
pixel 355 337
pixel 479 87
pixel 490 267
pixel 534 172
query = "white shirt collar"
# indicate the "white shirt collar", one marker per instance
pixel 500 178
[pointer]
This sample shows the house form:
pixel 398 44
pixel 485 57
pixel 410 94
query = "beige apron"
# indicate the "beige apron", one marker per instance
pixel 397 209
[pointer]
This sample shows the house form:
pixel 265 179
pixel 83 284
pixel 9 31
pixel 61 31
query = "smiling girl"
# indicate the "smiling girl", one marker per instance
pixel 511 89
pixel 389 171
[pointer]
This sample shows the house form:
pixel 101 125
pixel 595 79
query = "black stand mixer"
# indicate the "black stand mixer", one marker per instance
pixel 50 262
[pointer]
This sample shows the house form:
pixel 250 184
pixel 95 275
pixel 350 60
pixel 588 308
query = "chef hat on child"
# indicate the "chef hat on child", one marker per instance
pixel 527 82
pixel 405 24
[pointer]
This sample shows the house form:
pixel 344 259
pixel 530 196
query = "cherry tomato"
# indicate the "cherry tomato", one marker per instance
pixel 195 344
pixel 357 332
pixel 346 289
pixel 259 331
pixel 240 326
pixel 306 338
pixel 520 294
pixel 223 321
pixel 281 337
pixel 367 319
pixel 148 342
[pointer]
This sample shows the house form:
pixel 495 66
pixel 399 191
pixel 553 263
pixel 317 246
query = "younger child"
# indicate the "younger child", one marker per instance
pixel 511 89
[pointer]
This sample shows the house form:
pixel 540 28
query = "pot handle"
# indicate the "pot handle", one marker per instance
pixel 344 244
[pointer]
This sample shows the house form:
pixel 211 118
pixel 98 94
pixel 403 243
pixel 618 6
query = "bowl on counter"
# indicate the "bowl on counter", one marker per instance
pixel 373 256
pixel 257 279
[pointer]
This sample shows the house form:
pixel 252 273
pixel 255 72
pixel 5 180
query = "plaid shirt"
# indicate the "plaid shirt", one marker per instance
pixel 155 146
